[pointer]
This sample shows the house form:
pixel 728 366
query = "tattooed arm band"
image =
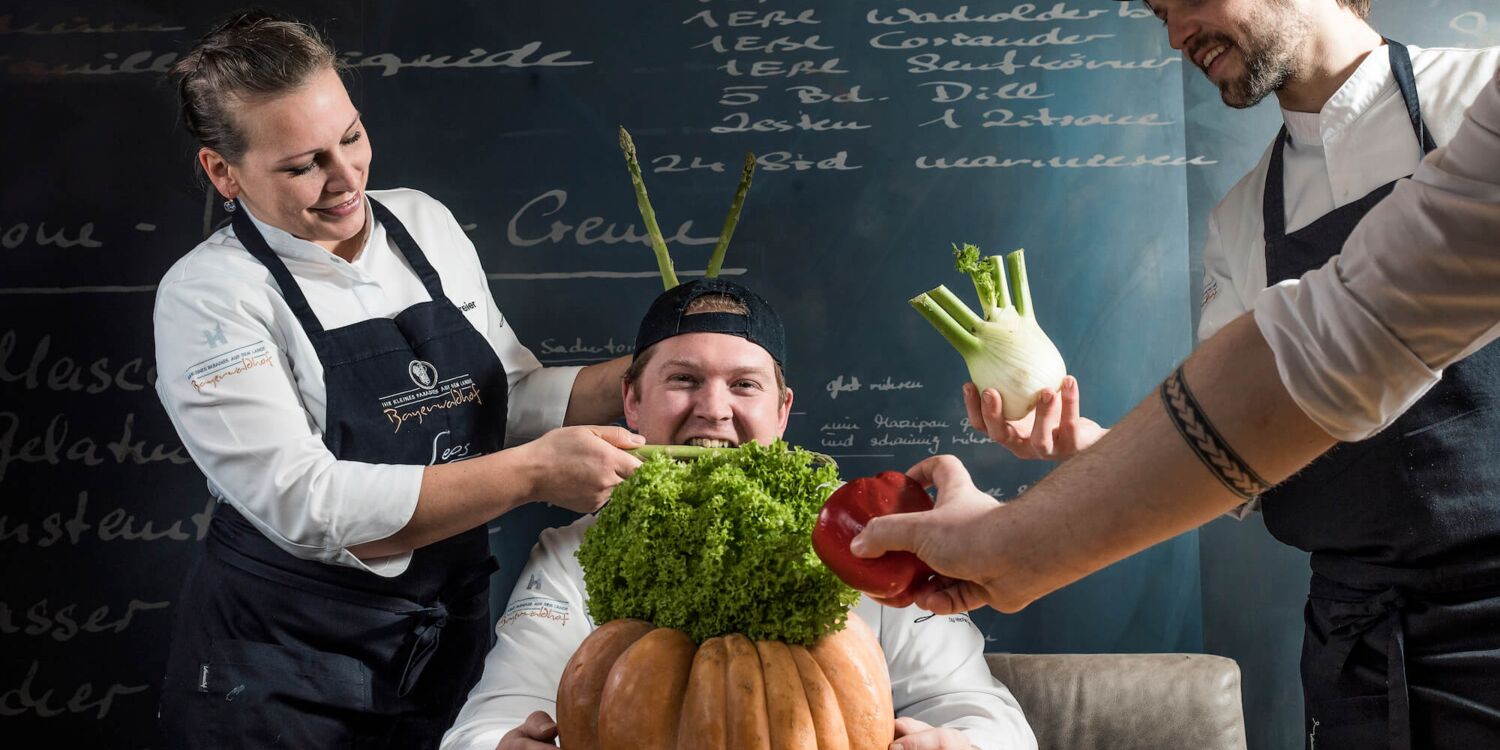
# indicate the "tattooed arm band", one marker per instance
pixel 1193 425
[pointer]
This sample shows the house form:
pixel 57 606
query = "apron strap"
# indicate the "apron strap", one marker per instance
pixel 250 237
pixel 1378 614
pixel 1406 81
pixel 409 248
pixel 1273 195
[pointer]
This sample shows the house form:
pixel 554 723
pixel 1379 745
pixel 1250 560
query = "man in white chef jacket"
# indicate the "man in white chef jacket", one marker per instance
pixel 706 378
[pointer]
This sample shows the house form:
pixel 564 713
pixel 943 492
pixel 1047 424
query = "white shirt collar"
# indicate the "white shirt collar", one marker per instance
pixel 283 243
pixel 1364 87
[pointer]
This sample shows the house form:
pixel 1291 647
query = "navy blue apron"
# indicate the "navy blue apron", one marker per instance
pixel 1402 641
pixel 270 650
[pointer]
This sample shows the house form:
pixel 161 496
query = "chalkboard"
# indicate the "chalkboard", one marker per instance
pixel 885 131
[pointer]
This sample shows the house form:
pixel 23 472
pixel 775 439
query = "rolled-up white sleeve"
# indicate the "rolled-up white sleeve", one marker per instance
pixel 1416 288
pixel 226 382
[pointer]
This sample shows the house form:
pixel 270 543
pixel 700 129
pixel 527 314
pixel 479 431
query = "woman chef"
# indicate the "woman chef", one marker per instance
pixel 337 368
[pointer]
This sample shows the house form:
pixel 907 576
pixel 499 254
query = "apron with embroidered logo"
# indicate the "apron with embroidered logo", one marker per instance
pixel 1402 641
pixel 270 650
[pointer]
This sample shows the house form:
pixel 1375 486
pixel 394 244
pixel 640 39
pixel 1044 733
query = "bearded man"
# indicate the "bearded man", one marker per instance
pixel 1401 646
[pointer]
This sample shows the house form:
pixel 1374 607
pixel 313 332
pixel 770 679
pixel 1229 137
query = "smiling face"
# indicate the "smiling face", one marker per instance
pixel 305 165
pixel 1248 48
pixel 710 389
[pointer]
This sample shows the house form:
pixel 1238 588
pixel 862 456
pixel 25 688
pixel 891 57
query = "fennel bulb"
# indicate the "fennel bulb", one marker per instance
pixel 1005 349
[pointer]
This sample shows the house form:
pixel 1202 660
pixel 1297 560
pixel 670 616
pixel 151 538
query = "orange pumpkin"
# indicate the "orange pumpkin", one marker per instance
pixel 632 686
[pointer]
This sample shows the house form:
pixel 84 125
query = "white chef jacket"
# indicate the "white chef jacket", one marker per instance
pixel 1361 140
pixel 936 663
pixel 255 429
pixel 1416 288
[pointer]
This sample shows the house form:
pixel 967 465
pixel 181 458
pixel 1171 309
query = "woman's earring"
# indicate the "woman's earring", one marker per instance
pixel 230 206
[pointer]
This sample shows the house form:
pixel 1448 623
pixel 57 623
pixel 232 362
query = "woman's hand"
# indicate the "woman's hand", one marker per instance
pixel 915 734
pixel 538 732
pixel 577 467
pixel 1053 431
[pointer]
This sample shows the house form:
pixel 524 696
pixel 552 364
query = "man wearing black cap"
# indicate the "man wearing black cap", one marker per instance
pixel 708 371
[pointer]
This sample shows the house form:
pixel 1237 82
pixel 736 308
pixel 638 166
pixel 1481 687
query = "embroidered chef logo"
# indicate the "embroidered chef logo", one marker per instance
pixel 432 394
pixel 422 373
pixel 542 608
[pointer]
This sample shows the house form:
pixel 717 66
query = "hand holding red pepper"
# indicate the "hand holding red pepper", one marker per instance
pixel 969 539
pixel 891 577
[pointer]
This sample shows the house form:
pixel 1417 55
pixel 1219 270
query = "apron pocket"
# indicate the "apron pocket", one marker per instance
pixel 266 695
pixel 1348 723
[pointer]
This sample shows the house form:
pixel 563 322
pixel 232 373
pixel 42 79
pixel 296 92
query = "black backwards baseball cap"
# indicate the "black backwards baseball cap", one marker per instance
pixel 668 317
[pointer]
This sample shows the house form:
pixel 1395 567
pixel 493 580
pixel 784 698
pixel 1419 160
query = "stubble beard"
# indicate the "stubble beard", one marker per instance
pixel 1269 47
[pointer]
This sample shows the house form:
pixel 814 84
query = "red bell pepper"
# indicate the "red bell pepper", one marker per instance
pixel 845 514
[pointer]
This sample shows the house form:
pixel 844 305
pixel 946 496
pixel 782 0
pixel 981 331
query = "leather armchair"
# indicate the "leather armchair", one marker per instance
pixel 1127 701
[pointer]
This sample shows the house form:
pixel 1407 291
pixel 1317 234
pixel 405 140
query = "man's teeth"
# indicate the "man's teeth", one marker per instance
pixel 710 443
pixel 1213 54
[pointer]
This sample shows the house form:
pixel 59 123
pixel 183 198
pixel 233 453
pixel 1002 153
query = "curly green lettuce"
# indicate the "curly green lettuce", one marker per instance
pixel 718 545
